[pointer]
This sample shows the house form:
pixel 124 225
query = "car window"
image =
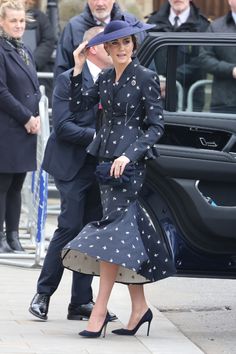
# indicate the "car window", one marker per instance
pixel 197 78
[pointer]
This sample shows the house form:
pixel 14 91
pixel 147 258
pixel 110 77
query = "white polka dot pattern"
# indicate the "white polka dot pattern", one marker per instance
pixel 124 236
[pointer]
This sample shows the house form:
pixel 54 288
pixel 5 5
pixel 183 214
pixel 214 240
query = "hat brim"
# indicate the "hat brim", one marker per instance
pixel 102 37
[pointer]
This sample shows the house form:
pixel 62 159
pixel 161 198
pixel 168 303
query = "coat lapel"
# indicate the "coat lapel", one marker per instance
pixel 106 80
pixel 29 69
pixel 128 76
pixel 87 77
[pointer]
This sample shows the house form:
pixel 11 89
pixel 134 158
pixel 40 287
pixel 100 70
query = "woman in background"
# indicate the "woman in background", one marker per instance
pixel 19 120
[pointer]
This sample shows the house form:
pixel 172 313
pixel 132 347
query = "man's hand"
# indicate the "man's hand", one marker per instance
pixel 162 85
pixel 234 72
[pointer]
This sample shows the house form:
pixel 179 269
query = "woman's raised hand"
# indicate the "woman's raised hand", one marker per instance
pixel 80 55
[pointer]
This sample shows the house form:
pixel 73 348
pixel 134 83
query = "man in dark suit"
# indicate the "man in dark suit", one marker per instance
pixel 220 62
pixel 181 16
pixel 73 170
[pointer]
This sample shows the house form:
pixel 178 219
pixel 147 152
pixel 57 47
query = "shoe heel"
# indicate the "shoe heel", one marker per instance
pixel 148 329
pixel 104 330
pixel 90 334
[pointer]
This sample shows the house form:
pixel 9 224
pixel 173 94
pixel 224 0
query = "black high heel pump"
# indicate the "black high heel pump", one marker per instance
pixel 147 317
pixel 91 334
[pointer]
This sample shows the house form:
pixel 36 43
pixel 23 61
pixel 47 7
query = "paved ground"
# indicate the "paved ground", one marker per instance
pixel 21 333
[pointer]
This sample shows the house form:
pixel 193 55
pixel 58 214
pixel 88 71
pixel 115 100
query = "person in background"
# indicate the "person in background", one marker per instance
pixel 39 36
pixel 19 120
pixel 122 246
pixel 96 12
pixel 221 63
pixel 73 171
pixel 181 16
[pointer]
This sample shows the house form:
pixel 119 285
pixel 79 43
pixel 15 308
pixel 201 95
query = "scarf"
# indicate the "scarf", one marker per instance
pixel 18 45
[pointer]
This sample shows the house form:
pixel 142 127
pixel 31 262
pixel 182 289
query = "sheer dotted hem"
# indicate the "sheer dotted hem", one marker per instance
pixel 82 263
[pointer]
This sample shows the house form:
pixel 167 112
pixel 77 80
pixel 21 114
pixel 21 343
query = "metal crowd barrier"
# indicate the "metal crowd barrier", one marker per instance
pixel 191 91
pixel 52 209
pixel 180 91
pixel 34 201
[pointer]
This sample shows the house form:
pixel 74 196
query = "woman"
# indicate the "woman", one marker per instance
pixel 19 120
pixel 123 246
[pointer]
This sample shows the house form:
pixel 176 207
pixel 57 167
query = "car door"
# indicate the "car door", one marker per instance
pixel 190 190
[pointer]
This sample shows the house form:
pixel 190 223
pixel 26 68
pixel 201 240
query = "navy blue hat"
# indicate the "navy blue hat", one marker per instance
pixel 118 29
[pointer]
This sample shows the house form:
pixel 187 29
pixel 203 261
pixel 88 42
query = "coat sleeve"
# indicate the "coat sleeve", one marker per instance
pixel 154 124
pixel 64 122
pixel 8 103
pixel 83 100
pixel 64 57
pixel 211 64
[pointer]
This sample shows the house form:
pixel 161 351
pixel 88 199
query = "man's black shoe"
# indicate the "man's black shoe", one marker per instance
pixel 39 306
pixel 83 312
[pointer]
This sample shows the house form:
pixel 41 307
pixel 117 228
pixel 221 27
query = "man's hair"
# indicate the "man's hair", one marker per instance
pixel 91 32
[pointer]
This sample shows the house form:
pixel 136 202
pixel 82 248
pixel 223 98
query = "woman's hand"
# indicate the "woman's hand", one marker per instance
pixel 33 125
pixel 118 166
pixel 80 55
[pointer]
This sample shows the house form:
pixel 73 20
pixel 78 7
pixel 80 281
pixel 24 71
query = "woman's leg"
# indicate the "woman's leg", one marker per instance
pixel 108 272
pixel 5 183
pixel 13 211
pixel 13 202
pixel 139 304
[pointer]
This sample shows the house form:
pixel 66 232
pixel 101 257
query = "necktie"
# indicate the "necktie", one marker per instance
pixel 176 25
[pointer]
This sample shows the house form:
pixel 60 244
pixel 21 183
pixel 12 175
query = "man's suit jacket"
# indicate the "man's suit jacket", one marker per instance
pixel 19 98
pixel 65 152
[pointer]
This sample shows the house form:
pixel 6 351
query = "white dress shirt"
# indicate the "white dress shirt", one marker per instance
pixel 234 16
pixel 100 23
pixel 94 70
pixel 182 17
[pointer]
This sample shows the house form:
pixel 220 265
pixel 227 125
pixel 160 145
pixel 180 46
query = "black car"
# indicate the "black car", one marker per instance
pixel 190 191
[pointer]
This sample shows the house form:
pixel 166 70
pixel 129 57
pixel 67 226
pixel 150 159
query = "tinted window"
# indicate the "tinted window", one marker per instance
pixel 198 79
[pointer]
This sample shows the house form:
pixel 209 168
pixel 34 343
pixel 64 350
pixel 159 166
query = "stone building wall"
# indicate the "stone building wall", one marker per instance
pixel 140 8
pixel 69 8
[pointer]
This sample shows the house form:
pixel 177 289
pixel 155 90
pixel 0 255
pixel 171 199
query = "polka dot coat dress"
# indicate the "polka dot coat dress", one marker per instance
pixel 125 235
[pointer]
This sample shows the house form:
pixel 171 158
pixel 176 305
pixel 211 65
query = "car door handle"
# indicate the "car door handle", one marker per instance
pixel 206 143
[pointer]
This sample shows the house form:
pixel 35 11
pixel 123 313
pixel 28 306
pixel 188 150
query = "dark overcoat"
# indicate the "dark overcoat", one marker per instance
pixel 220 62
pixel 66 147
pixel 133 112
pixel 188 70
pixel 19 99
pixel 40 28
